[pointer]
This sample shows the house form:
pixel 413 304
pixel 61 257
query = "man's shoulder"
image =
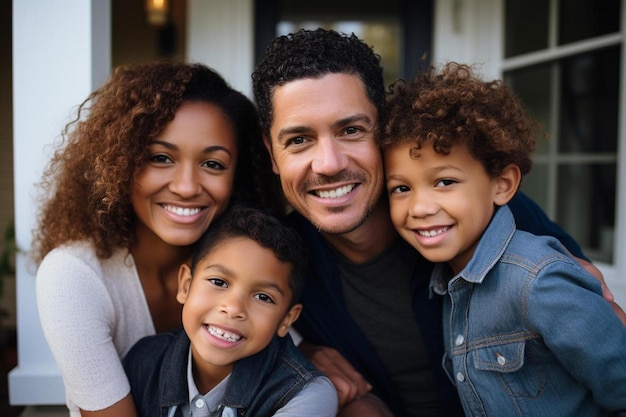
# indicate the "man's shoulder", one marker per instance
pixel 309 233
pixel 297 220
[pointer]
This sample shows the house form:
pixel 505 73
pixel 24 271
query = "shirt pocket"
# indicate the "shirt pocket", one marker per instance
pixel 510 366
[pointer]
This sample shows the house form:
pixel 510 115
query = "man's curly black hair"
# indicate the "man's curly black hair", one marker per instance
pixel 312 54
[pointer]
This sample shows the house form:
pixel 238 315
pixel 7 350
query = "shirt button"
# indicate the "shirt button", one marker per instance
pixel 501 359
pixel 459 340
pixel 199 403
pixel 460 377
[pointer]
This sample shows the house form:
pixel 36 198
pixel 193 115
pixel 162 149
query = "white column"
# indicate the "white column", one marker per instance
pixel 61 52
pixel 220 34
pixel 469 32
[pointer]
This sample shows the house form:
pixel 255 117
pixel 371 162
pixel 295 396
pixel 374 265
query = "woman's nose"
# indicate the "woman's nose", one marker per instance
pixel 185 182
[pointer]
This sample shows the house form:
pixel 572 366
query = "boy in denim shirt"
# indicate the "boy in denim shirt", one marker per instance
pixel 526 329
pixel 234 356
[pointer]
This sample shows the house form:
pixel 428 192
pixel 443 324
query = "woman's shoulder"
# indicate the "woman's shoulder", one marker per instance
pixel 79 261
pixel 84 252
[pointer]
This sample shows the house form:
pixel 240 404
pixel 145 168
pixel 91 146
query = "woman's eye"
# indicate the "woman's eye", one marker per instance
pixel 160 158
pixel 218 282
pixel 215 165
pixel 265 298
pixel 351 130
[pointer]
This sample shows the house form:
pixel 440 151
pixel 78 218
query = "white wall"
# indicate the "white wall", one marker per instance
pixel 469 31
pixel 220 34
pixel 61 52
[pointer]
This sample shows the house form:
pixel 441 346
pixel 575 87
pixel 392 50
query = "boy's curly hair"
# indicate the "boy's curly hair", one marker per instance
pixel 313 54
pixel 88 183
pixel 454 107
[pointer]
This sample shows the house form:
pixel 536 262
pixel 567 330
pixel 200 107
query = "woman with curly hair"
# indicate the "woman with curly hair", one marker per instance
pixel 152 158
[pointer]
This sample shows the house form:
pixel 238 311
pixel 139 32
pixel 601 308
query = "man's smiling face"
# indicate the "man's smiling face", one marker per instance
pixel 324 150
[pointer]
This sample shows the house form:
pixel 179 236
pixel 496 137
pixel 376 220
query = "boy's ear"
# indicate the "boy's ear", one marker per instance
pixel 268 145
pixel 184 283
pixel 291 316
pixel 507 184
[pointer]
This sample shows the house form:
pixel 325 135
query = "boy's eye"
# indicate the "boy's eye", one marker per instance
pixel 218 282
pixel 444 183
pixel 399 189
pixel 265 298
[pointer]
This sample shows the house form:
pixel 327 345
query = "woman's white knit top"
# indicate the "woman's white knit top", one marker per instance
pixel 92 311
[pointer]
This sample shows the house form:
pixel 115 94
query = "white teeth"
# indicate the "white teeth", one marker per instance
pixel 339 192
pixel 431 233
pixel 223 334
pixel 182 211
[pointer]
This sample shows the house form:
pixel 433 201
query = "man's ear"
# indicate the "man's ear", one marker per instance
pixel 291 316
pixel 184 283
pixel 507 184
pixel 268 145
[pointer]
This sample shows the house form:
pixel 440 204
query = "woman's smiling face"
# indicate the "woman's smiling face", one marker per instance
pixel 189 179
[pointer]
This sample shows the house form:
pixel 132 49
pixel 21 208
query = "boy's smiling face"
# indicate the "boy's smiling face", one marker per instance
pixel 441 204
pixel 238 298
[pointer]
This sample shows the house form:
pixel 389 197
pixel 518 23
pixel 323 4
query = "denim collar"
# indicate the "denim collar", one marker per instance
pixel 240 395
pixel 489 250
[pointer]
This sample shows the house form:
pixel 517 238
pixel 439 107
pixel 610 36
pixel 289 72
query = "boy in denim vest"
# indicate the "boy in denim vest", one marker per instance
pixel 234 356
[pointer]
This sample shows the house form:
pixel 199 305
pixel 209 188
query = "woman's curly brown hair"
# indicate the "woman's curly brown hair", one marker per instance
pixel 454 107
pixel 88 182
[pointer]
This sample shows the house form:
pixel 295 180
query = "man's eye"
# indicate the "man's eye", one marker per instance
pixel 298 140
pixel 351 130
pixel 265 298
pixel 218 282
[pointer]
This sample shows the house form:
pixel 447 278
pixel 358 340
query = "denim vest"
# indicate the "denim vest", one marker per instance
pixel 259 385
pixel 527 332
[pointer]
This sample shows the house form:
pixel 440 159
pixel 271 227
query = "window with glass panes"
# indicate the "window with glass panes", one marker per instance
pixel 563 58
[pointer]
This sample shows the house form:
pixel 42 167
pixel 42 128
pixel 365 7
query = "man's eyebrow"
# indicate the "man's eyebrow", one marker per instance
pixel 360 117
pixel 291 130
pixel 301 129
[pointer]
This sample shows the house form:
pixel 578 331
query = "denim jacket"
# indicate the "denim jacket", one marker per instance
pixel 527 332
pixel 259 385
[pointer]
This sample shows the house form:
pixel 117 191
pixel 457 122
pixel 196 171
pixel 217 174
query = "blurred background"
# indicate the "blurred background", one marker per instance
pixel 563 58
